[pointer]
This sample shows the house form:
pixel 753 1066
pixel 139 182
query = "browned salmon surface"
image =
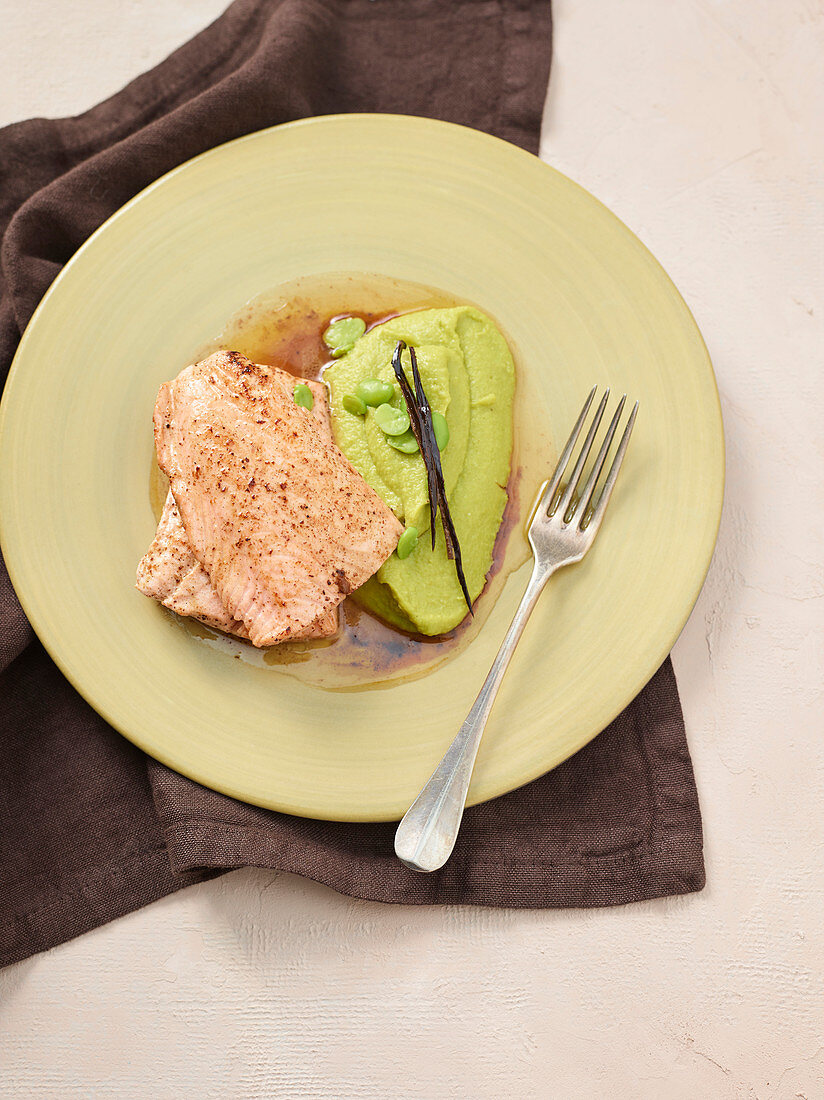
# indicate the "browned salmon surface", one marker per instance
pixel 170 573
pixel 280 521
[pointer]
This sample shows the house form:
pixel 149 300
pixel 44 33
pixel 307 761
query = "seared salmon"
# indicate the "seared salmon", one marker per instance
pixel 170 573
pixel 281 522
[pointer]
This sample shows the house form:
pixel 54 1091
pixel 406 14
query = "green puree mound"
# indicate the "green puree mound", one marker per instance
pixel 468 374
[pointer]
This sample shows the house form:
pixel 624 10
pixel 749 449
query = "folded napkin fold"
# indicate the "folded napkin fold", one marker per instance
pixel 88 831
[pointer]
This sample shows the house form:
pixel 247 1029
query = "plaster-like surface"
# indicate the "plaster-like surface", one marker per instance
pixel 699 123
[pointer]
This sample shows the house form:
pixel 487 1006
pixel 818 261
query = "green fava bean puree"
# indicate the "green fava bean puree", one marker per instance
pixel 469 377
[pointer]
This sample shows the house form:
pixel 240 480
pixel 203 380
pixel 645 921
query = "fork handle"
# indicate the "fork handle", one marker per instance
pixel 427 834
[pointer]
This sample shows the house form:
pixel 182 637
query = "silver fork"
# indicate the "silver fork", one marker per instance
pixel 563 528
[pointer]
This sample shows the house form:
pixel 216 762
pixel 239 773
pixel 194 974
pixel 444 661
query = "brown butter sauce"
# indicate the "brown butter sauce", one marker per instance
pixel 284 328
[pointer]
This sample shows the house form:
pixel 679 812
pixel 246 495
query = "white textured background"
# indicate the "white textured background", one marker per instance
pixel 702 125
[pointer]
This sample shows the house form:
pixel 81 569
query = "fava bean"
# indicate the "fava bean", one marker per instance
pixel 407 542
pixel 374 392
pixel 390 420
pixel 441 429
pixel 346 330
pixel 405 443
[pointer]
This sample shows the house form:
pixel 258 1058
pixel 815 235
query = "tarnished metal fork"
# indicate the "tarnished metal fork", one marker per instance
pixel 563 527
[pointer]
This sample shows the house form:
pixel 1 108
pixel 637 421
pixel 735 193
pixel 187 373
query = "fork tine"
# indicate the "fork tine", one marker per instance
pixel 612 476
pixel 558 473
pixel 592 480
pixel 566 500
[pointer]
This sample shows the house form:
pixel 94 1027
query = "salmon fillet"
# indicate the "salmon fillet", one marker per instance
pixel 170 573
pixel 278 518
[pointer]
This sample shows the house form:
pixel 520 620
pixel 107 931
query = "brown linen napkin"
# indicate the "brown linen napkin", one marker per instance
pixel 87 833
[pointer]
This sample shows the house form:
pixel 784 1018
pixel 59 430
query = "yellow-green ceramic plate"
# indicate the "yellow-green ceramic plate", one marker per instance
pixel 582 301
